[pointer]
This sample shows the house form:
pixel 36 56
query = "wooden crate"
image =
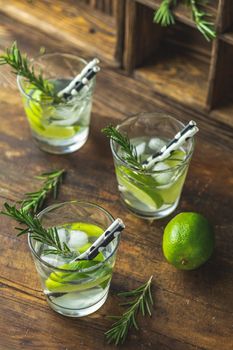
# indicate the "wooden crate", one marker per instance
pixel 178 62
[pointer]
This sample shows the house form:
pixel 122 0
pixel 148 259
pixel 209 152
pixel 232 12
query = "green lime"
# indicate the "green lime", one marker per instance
pixel 89 229
pixel 138 186
pixel 188 241
pixel 37 111
pixel 65 282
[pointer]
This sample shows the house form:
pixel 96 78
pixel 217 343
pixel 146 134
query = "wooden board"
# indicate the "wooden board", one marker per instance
pixel 193 310
pixel 93 31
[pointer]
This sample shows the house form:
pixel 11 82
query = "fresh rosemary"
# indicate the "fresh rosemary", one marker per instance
pixel 30 205
pixel 22 66
pixel 165 17
pixel 35 200
pixel 142 302
pixel 130 152
pixel 33 225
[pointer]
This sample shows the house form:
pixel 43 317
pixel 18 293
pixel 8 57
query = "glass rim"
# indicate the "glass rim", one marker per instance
pixel 20 78
pixel 124 162
pixel 54 206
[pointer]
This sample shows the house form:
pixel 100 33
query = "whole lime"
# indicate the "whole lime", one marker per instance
pixel 188 241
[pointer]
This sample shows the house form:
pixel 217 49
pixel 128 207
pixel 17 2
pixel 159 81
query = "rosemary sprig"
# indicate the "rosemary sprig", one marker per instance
pixel 130 151
pixel 33 225
pixel 204 26
pixel 142 302
pixel 164 16
pixel 35 200
pixel 21 66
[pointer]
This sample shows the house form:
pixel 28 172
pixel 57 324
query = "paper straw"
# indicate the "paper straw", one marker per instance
pixel 188 131
pixel 80 84
pixel 107 236
pixel 79 77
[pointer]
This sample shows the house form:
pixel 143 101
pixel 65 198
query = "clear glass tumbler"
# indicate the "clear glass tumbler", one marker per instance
pixel 58 127
pixel 79 288
pixel 152 193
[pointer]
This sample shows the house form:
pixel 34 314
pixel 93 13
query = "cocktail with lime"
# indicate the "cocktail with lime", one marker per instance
pixel 75 288
pixel 58 125
pixel 154 192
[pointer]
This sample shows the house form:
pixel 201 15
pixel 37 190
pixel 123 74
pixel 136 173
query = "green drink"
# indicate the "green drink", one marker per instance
pixel 155 192
pixel 75 288
pixel 58 126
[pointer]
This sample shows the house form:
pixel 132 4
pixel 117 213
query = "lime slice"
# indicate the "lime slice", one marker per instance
pixel 65 282
pixel 175 158
pixel 89 229
pixel 36 112
pixel 146 195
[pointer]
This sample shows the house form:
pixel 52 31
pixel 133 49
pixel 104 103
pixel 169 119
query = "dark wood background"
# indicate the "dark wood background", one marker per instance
pixel 193 310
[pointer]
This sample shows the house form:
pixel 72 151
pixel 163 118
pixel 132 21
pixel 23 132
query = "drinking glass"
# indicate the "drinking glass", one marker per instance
pixel 152 193
pixel 62 126
pixel 71 288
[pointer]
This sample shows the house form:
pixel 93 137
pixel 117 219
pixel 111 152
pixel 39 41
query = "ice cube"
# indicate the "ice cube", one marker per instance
pixel 77 239
pixel 53 259
pixel 140 148
pixel 62 233
pixel 155 144
pixel 165 177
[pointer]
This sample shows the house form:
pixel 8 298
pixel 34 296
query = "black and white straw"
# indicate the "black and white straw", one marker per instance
pixel 80 84
pixel 88 72
pixel 107 236
pixel 188 131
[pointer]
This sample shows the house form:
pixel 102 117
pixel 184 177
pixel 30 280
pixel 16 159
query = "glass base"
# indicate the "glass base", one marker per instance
pixel 77 312
pixel 62 146
pixel 153 215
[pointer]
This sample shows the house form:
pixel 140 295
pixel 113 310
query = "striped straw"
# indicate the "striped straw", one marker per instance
pixel 107 236
pixel 80 84
pixel 79 77
pixel 188 131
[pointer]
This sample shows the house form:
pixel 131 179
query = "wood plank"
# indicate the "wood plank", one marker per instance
pixel 142 36
pixel 91 31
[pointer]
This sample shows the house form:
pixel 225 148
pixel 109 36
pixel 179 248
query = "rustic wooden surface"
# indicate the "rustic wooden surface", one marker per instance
pixel 193 310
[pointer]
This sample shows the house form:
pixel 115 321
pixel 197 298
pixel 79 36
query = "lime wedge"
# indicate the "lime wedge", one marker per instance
pixel 175 158
pixel 171 193
pixel 89 229
pixel 142 192
pixel 36 112
pixel 65 282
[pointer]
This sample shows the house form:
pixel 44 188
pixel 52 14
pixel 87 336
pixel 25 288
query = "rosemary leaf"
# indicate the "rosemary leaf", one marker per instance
pixel 22 66
pixel 142 302
pixel 34 200
pixel 130 152
pixel 33 225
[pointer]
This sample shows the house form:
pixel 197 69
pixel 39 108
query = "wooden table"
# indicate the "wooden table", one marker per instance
pixel 193 310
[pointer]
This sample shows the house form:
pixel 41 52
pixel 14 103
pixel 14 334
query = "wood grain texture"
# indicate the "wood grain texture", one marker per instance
pixel 75 23
pixel 193 310
pixel 142 36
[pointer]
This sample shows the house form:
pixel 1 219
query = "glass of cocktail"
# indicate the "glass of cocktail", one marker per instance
pixel 58 126
pixel 151 193
pixel 75 288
